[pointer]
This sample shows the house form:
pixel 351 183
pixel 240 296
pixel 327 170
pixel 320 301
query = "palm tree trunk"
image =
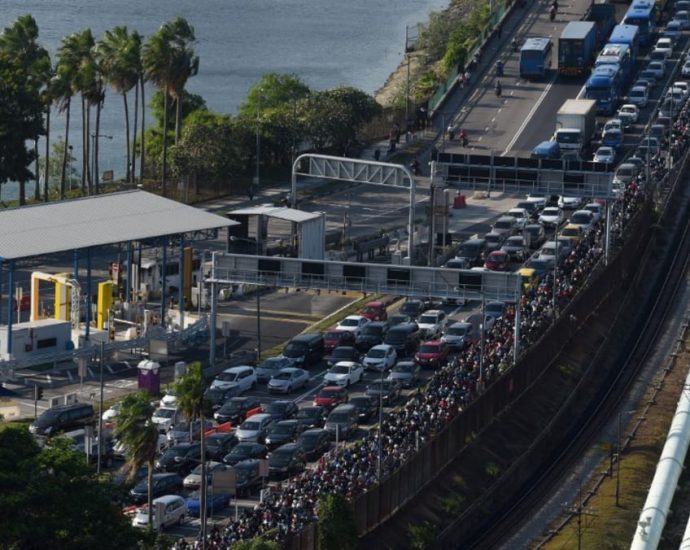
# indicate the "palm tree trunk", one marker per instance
pixel 84 147
pixel 129 160
pixel 143 127
pixel 65 155
pixel 165 142
pixel 47 155
pixel 149 483
pixel 22 192
pixel 132 174
pixel 96 170
pixel 89 174
pixel 37 189
pixel 178 117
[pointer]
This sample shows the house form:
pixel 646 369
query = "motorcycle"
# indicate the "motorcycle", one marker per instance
pixel 498 89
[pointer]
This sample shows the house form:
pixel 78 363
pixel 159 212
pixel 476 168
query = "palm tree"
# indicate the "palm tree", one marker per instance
pixel 119 55
pixel 169 61
pixel 20 42
pixel 65 71
pixel 139 435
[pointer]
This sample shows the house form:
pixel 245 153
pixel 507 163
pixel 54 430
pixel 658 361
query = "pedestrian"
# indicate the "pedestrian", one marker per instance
pixel 377 154
pixel 467 77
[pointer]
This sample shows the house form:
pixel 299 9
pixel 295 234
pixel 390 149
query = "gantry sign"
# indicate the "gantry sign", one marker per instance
pixel 398 280
pixel 358 171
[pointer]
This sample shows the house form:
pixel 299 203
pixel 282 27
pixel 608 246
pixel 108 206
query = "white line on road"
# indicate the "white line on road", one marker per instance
pixel 312 390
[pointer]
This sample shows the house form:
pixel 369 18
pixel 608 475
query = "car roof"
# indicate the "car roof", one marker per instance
pixel 384 346
pixel 259 416
pixel 344 407
pixel 347 363
pixel 317 431
pixel 233 370
pixel 167 499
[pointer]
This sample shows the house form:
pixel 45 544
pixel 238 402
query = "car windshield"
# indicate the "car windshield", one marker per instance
pixel 213 443
pixel 250 425
pixel 376 353
pixel 492 239
pixel 580 218
pixel 403 367
pixel 276 408
pixel 342 352
pixel 571 232
pixel 360 402
pixel 328 393
pixel 307 413
pixel 172 453
pixel 457 331
pixel 295 347
pixel 227 376
pixel 281 429
pixel 340 369
pixel 372 330
pixel 468 250
pixel 338 417
pixel 349 322
pixel 182 427
pixel 280 458
pixel 427 319
pixel 232 406
pixel 197 470
pixel 283 376
pixel 371 309
pixel 427 348
pixel 515 241
pixel 308 441
pixel 165 413
pixel 273 363
pixel 241 451
pixel 333 335
pixel 550 212
pixel 503 224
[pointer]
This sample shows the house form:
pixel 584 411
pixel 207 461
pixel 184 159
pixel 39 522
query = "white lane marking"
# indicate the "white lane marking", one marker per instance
pixel 312 390
pixel 494 119
pixel 530 114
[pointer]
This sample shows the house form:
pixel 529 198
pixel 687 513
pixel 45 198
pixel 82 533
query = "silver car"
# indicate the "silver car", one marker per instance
pixel 406 373
pixel 254 428
pixel 270 367
pixel 288 379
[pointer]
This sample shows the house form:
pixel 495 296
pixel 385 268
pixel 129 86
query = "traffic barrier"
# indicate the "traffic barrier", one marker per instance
pixel 459 201
pixel 252 412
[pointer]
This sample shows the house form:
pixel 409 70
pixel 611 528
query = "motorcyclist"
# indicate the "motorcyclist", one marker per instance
pixel 515 44
pixel 552 12
pixel 463 137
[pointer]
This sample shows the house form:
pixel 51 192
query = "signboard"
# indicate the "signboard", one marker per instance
pixel 223 481
pixel 107 176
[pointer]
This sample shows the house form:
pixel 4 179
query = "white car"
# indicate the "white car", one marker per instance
pixel 551 216
pixel 344 373
pixel 193 480
pixel 596 209
pixel 683 17
pixel 657 68
pixel 639 96
pixel 538 200
pixel 169 399
pixel 682 85
pixel 548 251
pixel 165 418
pixel 254 428
pixel 352 323
pixel 521 217
pixel 583 218
pixel 571 203
pixel 381 357
pixel 243 376
pixel 431 324
pixel 112 412
pixel 685 70
pixel 612 124
pixel 605 154
pixel 664 44
pixel 629 114
pixel 174 509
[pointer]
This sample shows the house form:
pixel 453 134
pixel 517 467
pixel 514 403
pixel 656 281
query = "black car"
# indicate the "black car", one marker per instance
pixel 235 410
pixel 343 353
pixel 219 444
pixel 398 318
pixel 371 335
pixel 286 461
pixel 247 477
pixel 217 396
pixel 413 308
pixel 366 407
pixel 281 410
pixel 311 417
pixel 282 432
pixel 62 418
pixel 314 443
pixel 180 458
pixel 163 484
pixel 245 451
pixel 389 388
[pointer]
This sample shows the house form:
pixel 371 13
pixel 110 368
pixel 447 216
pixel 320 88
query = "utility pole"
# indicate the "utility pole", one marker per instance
pixel 580 511
pixel 100 406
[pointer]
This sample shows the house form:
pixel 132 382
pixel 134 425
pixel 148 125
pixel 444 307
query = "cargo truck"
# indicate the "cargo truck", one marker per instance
pixel 603 15
pixel 577 47
pixel 575 124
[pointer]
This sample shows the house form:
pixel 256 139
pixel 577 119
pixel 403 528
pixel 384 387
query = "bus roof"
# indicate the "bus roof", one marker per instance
pixel 577 30
pixel 538 44
pixel 623 34
pixel 640 10
pixel 605 70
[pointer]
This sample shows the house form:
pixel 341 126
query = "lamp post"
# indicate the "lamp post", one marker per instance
pixel 258 139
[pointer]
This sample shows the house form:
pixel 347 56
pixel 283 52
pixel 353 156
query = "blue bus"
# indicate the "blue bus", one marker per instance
pixel 535 57
pixel 618 54
pixel 643 14
pixel 627 34
pixel 605 86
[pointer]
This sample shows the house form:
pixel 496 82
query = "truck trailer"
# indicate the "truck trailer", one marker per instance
pixel 577 48
pixel 575 124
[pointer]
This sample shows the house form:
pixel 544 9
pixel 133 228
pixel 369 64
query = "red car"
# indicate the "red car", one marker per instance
pixel 330 396
pixel 334 338
pixel 432 354
pixel 374 311
pixel 497 261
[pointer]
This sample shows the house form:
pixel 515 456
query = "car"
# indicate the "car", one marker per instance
pixel 235 410
pixel 80 442
pixel 352 323
pixel 432 323
pixel 612 124
pixel 305 349
pixel 381 357
pixel 342 422
pixel 566 245
pixel 244 451
pixel 583 218
pixel 682 85
pixel 664 43
pixel 404 338
pixel 625 173
pixel 536 234
pixel 287 380
pixel 414 308
pixel 63 418
pixel 645 83
pixel 629 114
pixel 174 509
pixel 162 484
pixel 531 208
pixel 111 413
pixel 538 200
pixel 182 431
pixel 516 248
pixel 548 252
pixel 639 96
pixel 165 418
pixel 219 444
pixel 394 319
pixel 656 68
pixel 569 203
pixel 311 417
pixel 371 334
pixel 660 133
pixel 179 459
pixel 169 398
pixel 216 397
pixel 281 432
pixel 314 442
pixel 505 225
pixel 330 396
pixel 494 241
pixel 498 260
pixel 673 30
pixel 605 154
pixel 529 278
pixel 386 391
pixel 374 311
pixel 551 217
pixel 344 353
pixel 459 335
pixel 432 354
pixel 541 266
pixel 215 502
pixel 193 479
pixel 344 373
pixel 685 69
pixel 247 476
pixel 254 428
pixel 597 211
pixel 573 232
pixel 366 407
pixel 613 138
pixel 243 376
pixel 521 217
pixel 683 18
pixel 406 373
pixel 494 309
pixel 286 460
pixel 281 409
pixel 334 338
pixel 652 143
pixel 270 367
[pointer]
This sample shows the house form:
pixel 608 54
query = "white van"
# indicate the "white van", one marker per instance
pixel 174 509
